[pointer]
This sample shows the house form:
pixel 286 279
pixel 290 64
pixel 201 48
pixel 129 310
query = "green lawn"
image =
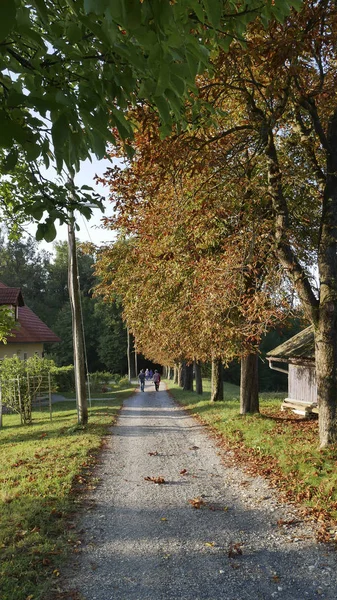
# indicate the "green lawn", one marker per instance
pixel 44 468
pixel 278 445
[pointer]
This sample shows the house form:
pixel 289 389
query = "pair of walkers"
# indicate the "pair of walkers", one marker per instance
pixel 142 377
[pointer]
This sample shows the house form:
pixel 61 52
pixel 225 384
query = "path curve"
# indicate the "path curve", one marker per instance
pixel 146 541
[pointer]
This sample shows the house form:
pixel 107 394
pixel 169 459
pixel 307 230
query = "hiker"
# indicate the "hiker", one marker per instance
pixel 141 378
pixel 147 374
pixel 156 380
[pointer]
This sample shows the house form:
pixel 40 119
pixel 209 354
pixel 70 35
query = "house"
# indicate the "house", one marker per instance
pixel 296 357
pixel 30 334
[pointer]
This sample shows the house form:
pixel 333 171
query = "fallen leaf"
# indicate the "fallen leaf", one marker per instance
pixel 194 448
pixel 155 479
pixel 210 544
pixel 197 502
pixel 234 550
pixel 155 453
pixel 183 472
pixel 163 519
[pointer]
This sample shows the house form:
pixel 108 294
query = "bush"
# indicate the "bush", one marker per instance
pixel 100 380
pixel 22 381
pixel 64 378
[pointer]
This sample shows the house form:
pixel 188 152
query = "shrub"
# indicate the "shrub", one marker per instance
pixel 64 378
pixel 100 380
pixel 22 381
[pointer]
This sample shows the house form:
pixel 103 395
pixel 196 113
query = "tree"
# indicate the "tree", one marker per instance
pixel 289 98
pixel 204 282
pixel 70 69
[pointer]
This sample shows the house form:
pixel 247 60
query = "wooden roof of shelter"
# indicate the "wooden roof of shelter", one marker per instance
pixel 300 347
pixel 31 329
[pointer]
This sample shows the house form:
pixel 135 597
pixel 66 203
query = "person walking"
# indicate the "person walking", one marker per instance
pixel 156 379
pixel 141 378
pixel 147 374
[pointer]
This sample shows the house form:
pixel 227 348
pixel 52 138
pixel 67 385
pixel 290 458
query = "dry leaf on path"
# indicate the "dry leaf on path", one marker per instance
pixel 234 550
pixel 155 479
pixel 197 502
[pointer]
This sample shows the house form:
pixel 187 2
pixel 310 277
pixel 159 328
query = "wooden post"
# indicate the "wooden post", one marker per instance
pixel 78 340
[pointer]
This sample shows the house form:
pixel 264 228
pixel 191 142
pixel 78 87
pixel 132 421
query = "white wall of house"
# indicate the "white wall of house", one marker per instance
pixel 23 351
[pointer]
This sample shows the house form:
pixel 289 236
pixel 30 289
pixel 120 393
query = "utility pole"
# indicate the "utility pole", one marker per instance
pixel 78 340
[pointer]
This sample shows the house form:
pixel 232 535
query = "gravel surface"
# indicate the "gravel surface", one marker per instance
pixel 145 540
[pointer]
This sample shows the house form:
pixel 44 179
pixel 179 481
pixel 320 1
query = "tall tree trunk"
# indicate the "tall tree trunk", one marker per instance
pixel 188 380
pixel 132 370
pixel 180 374
pixel 217 380
pixel 249 385
pixel 326 328
pixel 77 329
pixel 198 378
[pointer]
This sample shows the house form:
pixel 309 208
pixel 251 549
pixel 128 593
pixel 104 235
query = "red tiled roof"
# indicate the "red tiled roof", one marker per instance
pixel 31 329
pixel 9 295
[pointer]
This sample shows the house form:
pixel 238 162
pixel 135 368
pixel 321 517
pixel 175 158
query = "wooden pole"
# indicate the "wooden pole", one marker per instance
pixel 78 341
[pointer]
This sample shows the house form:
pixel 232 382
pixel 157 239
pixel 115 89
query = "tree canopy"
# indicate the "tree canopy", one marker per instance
pixel 70 69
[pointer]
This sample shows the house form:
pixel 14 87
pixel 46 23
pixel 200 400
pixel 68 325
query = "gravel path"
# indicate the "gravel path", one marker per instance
pixel 146 541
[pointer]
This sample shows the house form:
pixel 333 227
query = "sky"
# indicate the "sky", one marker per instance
pixel 89 230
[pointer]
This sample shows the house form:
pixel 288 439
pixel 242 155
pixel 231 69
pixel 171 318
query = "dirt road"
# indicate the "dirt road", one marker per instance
pixel 209 532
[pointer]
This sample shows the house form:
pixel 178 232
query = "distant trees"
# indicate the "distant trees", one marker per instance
pixel 43 279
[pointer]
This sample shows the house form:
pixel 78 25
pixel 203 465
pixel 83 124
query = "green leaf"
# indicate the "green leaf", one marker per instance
pixel 213 11
pixel 10 161
pixel 122 124
pixel 8 18
pixel 60 131
pixel 132 11
pixel 163 109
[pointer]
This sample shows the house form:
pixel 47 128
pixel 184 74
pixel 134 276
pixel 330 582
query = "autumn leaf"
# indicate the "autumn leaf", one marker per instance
pixel 183 472
pixel 197 502
pixel 155 453
pixel 234 550
pixel 158 480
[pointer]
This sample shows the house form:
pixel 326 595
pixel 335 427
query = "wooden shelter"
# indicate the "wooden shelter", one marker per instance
pixel 296 357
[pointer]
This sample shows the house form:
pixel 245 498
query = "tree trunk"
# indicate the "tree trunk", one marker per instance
pixel 188 380
pixel 132 372
pixel 181 374
pixel 249 385
pixel 198 379
pixel 176 373
pixel 326 327
pixel 217 380
pixel 78 339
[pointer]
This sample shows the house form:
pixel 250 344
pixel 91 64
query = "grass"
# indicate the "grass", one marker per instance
pixel 44 468
pixel 278 445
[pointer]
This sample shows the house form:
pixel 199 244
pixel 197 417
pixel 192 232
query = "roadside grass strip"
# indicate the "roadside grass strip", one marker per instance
pixel 44 469
pixel 278 445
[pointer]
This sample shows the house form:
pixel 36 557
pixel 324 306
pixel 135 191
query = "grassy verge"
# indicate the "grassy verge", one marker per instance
pixel 275 444
pixel 43 470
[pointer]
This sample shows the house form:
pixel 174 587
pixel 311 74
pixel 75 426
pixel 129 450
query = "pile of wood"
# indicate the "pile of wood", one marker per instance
pixel 300 407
